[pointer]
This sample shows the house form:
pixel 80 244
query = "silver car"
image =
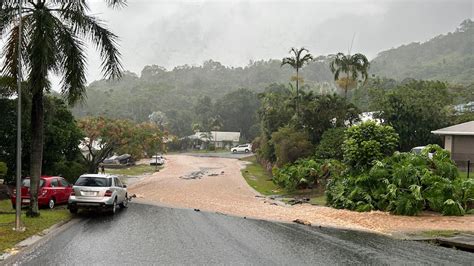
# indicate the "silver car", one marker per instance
pixel 157 160
pixel 94 191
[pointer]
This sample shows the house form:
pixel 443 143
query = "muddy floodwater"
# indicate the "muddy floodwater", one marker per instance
pixel 216 185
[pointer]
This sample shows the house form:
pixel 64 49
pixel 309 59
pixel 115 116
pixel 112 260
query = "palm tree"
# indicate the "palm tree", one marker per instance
pixel 297 61
pixel 52 42
pixel 351 66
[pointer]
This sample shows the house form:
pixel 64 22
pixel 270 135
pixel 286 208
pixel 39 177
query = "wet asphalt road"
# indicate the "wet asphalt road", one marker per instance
pixel 145 235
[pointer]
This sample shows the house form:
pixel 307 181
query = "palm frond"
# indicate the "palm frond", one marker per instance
pixel 103 38
pixel 10 51
pixel 288 61
pixel 7 16
pixel 116 3
pixel 307 58
pixel 42 52
pixel 73 64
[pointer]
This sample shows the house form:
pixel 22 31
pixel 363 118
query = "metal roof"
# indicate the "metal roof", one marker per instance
pixel 464 129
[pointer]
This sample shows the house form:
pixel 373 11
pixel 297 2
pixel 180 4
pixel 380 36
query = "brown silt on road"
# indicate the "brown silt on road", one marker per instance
pixel 217 185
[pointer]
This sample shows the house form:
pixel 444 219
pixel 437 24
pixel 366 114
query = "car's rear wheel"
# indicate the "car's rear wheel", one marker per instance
pixel 234 151
pixel 114 207
pixel 51 203
pixel 73 210
pixel 246 151
pixel 124 203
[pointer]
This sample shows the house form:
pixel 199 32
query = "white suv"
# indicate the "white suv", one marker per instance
pixel 94 191
pixel 242 148
pixel 157 160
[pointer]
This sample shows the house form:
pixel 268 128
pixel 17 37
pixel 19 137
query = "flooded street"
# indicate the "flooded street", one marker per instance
pixel 145 235
pixel 217 185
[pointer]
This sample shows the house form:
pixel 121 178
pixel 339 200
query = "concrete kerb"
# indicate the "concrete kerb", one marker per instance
pixel 462 240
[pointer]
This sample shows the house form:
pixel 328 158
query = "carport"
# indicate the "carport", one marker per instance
pixel 459 140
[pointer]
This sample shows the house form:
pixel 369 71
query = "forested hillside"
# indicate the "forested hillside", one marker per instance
pixel 179 94
pixel 447 57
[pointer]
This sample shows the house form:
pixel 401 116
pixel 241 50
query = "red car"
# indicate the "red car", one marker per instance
pixel 53 190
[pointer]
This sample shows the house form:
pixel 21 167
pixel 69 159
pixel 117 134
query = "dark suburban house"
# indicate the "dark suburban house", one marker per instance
pixel 459 140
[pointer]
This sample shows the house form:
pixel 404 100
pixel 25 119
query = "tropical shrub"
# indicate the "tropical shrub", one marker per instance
pixel 366 143
pixel 290 145
pixel 306 173
pixel 330 146
pixel 405 184
pixel 70 170
pixel 3 169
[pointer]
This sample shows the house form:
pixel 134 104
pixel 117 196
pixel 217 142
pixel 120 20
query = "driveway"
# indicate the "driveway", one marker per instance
pixel 146 235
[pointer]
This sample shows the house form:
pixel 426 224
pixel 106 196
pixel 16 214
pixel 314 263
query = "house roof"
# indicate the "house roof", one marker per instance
pixel 464 129
pixel 217 136
pixel 96 145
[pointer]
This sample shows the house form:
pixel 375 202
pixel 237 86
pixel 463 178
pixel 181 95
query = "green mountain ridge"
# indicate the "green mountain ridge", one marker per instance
pixel 447 58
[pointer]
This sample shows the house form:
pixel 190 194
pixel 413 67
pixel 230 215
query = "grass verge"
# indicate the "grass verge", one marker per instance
pixel 260 180
pixel 464 174
pixel 8 237
pixel 439 233
pixel 134 170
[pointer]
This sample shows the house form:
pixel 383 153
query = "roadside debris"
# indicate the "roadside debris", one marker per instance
pixel 199 174
pixel 194 175
pixel 301 221
pixel 197 210
pixel 131 197
pixel 298 201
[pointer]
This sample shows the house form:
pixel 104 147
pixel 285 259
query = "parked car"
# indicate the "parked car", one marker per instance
pixel 52 190
pixel 417 150
pixel 125 159
pixel 242 148
pixel 157 160
pixel 98 192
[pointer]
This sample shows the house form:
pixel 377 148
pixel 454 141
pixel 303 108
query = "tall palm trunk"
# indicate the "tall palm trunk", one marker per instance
pixel 297 92
pixel 37 135
pixel 346 85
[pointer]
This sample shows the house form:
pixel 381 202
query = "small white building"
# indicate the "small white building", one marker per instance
pixel 369 116
pixel 221 139
pixel 87 146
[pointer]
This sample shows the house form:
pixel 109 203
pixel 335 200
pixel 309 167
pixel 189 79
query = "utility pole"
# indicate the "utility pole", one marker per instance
pixel 18 226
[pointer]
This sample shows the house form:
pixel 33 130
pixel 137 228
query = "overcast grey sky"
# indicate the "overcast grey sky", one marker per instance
pixel 170 33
